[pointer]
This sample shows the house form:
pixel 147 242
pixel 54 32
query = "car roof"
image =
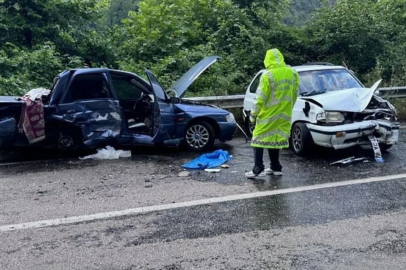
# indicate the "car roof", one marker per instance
pixel 316 67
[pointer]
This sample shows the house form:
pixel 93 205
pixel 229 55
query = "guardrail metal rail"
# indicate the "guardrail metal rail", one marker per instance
pixel 393 92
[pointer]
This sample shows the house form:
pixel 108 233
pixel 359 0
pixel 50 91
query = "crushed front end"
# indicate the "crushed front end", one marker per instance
pixel 345 129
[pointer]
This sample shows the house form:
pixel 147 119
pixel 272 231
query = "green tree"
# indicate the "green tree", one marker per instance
pixel 118 10
pixel 346 35
pixel 300 11
pixel 170 36
pixel 391 25
pixel 22 70
pixel 39 41
pixel 368 36
pixel 27 23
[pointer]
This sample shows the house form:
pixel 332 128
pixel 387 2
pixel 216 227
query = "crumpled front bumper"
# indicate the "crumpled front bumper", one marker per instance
pixel 348 135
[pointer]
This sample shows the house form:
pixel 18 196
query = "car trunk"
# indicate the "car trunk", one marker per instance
pixel 10 107
pixel 10 111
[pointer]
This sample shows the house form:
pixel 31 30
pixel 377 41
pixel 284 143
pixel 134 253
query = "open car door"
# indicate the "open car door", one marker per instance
pixel 158 132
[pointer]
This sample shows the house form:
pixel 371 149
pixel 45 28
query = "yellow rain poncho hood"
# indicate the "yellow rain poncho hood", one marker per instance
pixel 274 59
pixel 276 95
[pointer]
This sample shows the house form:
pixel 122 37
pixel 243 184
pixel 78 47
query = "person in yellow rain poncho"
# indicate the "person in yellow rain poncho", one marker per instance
pixel 272 112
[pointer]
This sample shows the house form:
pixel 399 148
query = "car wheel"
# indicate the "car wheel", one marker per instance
pixel 199 136
pixel 68 141
pixel 384 147
pixel 301 139
pixel 248 126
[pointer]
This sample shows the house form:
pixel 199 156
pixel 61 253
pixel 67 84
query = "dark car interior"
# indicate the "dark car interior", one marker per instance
pixel 136 101
pixel 90 86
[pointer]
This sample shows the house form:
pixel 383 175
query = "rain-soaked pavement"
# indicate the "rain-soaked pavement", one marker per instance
pixel 354 226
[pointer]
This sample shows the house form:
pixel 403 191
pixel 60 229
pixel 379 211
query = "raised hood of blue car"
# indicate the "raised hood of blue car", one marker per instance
pixel 189 77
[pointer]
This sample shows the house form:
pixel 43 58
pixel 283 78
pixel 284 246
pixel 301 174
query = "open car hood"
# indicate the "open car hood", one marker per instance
pixel 349 100
pixel 189 77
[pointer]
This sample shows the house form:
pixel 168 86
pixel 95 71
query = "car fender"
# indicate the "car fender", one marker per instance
pixel 250 93
pixel 306 111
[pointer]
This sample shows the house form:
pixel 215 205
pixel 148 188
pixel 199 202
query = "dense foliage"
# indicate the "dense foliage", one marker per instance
pixel 43 37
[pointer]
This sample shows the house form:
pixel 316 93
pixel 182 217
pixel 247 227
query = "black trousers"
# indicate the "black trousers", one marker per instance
pixel 259 160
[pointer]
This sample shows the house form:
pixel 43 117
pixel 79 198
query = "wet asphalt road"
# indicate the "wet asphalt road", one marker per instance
pixel 358 226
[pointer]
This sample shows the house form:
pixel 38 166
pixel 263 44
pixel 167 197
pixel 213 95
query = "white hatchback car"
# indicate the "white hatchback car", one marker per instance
pixel 334 110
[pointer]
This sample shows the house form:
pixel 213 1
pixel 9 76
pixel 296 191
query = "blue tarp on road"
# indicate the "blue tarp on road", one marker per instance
pixel 209 160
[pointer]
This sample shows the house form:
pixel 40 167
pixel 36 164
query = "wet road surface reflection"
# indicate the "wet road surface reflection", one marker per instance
pixel 280 211
pixel 298 171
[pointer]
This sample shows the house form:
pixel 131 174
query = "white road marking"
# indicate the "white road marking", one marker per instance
pixel 148 209
pixel 30 162
pixel 17 163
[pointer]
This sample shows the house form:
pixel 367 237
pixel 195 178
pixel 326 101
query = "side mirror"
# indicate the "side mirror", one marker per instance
pixel 175 100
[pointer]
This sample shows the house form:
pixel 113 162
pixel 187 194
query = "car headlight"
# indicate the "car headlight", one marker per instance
pixel 321 116
pixel 230 117
pixel 334 117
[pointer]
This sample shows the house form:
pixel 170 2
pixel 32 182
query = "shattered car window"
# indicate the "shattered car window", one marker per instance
pixel 90 86
pixel 320 81
pixel 126 88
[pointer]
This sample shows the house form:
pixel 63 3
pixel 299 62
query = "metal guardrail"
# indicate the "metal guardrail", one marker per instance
pixel 225 102
pixel 393 92
pixel 236 101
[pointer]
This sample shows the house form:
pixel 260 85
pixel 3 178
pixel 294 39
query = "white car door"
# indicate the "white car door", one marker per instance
pixel 250 94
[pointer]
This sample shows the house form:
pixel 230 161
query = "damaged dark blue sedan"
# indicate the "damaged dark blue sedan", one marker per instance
pixel 94 107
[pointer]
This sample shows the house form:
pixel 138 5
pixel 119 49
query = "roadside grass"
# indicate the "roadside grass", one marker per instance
pixel 400 105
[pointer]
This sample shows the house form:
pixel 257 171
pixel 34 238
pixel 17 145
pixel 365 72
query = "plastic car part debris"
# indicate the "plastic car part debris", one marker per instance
pixel 108 153
pixel 225 166
pixel 183 174
pixel 350 160
pixel 376 148
pixel 212 170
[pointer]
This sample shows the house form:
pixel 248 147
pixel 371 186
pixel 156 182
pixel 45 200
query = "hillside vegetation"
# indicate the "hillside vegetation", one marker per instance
pixel 169 36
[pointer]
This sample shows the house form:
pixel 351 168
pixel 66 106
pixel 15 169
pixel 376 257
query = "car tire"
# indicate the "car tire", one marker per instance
pixel 301 140
pixel 68 141
pixel 199 136
pixel 384 147
pixel 248 126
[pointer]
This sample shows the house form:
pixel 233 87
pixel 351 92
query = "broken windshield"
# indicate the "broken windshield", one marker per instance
pixel 316 82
